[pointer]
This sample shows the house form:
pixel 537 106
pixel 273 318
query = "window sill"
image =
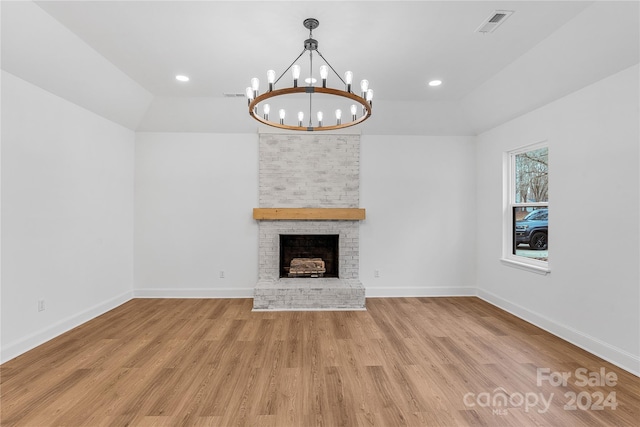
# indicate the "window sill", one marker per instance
pixel 525 266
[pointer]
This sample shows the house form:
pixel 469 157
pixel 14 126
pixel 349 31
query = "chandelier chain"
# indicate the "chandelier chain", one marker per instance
pixel 310 68
pixel 310 109
pixel 310 84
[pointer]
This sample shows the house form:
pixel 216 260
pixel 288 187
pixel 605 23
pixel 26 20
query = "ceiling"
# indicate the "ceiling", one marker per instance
pixel 398 46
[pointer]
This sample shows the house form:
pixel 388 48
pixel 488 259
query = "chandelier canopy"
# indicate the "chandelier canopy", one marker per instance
pixel 359 106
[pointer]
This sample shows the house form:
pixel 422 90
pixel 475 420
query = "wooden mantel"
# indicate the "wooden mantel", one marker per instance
pixel 336 214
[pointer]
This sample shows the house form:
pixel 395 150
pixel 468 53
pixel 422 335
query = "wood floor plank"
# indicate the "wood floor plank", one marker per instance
pixel 214 362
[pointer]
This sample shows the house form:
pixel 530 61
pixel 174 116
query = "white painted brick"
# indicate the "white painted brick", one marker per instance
pixel 309 171
pixel 322 170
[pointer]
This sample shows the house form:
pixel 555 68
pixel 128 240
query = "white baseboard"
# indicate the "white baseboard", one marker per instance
pixel 391 292
pixel 307 309
pixel 31 341
pixel 608 352
pixel 248 292
pixel 194 293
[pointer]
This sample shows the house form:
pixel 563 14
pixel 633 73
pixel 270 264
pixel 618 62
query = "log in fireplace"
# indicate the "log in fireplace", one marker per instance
pixel 310 254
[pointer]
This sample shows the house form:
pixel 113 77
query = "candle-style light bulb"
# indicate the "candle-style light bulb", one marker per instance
pixel 249 92
pixel 255 85
pixel 354 111
pixel 324 73
pixel 364 86
pixel 300 118
pixel 295 71
pixel 348 78
pixel 282 114
pixel 265 109
pixel 338 116
pixel 370 95
pixel 319 118
pixel 271 79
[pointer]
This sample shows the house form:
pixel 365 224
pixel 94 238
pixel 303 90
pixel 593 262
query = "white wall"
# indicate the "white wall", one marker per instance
pixel 195 195
pixel 419 192
pixel 591 297
pixel 67 221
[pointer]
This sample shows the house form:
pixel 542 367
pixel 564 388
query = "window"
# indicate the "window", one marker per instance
pixel 526 220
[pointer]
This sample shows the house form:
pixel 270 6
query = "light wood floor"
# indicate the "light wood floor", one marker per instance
pixel 405 361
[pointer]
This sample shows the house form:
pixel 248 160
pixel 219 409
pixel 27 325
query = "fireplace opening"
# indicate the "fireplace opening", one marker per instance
pixel 310 253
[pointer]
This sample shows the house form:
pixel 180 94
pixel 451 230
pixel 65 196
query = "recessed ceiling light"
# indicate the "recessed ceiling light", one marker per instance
pixel 435 82
pixel 310 80
pixel 182 78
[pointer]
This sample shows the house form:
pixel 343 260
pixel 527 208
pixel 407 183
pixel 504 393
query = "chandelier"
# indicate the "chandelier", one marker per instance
pixel 300 98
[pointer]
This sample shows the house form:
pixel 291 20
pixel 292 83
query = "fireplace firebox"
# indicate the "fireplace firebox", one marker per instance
pixel 309 247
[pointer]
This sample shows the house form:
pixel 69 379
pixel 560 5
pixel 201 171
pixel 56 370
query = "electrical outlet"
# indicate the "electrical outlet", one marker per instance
pixel 40 305
pixel 222 274
pixel 376 273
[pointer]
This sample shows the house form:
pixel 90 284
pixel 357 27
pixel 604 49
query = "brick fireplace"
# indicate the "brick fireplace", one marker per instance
pixel 301 173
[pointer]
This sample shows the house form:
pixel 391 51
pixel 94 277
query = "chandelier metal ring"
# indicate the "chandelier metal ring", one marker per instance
pixel 310 89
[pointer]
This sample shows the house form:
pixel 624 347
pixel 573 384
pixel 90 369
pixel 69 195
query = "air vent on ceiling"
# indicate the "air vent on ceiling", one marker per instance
pixel 233 95
pixel 494 20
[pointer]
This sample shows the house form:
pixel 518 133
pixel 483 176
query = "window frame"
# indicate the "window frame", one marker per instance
pixel 509 199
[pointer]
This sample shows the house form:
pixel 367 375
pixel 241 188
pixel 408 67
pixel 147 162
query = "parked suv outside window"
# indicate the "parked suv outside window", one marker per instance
pixel 532 229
